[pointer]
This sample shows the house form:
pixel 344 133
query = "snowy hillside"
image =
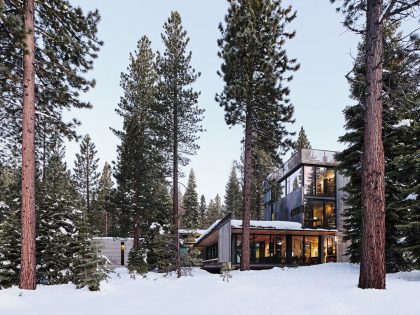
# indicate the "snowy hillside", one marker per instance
pixel 321 289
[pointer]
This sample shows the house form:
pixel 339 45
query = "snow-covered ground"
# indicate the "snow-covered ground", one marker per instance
pixel 322 289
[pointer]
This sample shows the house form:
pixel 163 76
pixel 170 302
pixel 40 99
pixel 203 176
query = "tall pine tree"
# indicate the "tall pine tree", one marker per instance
pixel 45 47
pixel 233 195
pixel 181 115
pixel 86 176
pixel 302 141
pixel 214 210
pixel 191 217
pixel 400 96
pixel 140 168
pixel 255 66
pixel 203 211
pixel 58 214
pixel 375 14
pixel 103 202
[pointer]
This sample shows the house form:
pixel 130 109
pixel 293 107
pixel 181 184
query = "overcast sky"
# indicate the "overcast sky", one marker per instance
pixel 319 90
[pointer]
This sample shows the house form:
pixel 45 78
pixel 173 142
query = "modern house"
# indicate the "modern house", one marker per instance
pixel 303 204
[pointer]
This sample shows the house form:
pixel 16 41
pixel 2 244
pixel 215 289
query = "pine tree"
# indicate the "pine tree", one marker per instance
pixel 407 163
pixel 66 251
pixel 302 141
pixel 10 235
pixel 255 95
pixel 103 202
pixel 203 211
pixel 9 249
pixel 181 116
pixel 378 13
pixel 57 216
pixel 190 218
pixel 140 168
pixel 399 79
pixel 233 195
pixel 214 211
pixel 88 264
pixel 66 44
pixel 86 176
pixel 137 259
pixel 163 244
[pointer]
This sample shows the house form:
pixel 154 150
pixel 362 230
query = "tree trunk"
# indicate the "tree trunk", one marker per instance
pixel 106 224
pixel 136 232
pixel 372 266
pixel 175 193
pixel 246 216
pixel 28 260
pixel 87 183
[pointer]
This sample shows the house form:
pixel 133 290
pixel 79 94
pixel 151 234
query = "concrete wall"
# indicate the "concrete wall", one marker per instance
pixel 111 249
pixel 284 206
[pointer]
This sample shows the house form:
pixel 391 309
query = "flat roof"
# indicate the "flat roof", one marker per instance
pixel 264 226
pixel 304 156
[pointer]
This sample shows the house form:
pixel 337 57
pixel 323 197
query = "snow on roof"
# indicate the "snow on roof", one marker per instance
pixel 263 225
pixel 205 232
pixel 274 225
pixel 191 231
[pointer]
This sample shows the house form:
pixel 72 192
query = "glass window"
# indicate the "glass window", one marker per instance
pixel 281 186
pixel 279 249
pixel 325 181
pixel 237 249
pixel 330 249
pixel 311 249
pixel 297 249
pixel 330 217
pixel 294 181
pixel 320 214
pixel 309 172
pixel 314 213
pixel 295 214
pixel 319 181
pixel 212 251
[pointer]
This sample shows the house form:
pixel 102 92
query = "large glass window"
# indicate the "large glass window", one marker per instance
pixel 325 181
pixel 311 249
pixel 294 181
pixel 330 249
pixel 297 249
pixel 314 213
pixel 309 172
pixel 212 251
pixel 330 217
pixel 319 181
pixel 319 214
pixel 265 249
pixel 279 249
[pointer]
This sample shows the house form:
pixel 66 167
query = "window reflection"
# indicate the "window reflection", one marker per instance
pixel 294 181
pixel 330 216
pixel 297 249
pixel 311 249
pixel 319 181
pixel 309 180
pixel 330 249
pixel 314 213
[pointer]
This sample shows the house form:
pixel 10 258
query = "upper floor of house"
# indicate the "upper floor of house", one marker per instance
pixel 306 189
